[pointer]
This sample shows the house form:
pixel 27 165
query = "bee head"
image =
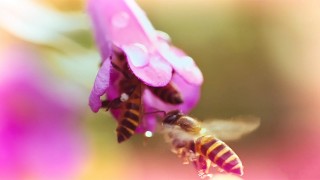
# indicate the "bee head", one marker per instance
pixel 172 117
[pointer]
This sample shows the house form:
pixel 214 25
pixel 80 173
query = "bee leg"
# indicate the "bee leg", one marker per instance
pixel 202 165
pixel 105 103
pixel 129 90
pixel 126 75
pixel 114 104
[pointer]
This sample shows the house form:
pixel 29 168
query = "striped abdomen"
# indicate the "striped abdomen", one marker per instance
pixel 130 115
pixel 168 94
pixel 219 153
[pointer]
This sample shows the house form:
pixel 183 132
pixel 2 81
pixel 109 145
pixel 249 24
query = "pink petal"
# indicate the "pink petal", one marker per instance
pixel 103 42
pixel 149 121
pixel 190 94
pixel 188 70
pixel 182 64
pixel 122 21
pixel 151 69
pixel 100 85
pixel 138 54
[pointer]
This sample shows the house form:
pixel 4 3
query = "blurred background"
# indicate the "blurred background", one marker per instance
pixel 258 57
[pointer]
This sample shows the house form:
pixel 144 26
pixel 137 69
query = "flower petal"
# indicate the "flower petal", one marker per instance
pixel 100 85
pixel 104 43
pixel 182 64
pixel 138 54
pixel 149 121
pixel 151 69
pixel 190 94
pixel 122 21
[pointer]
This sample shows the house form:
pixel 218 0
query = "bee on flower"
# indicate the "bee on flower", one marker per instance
pixel 155 72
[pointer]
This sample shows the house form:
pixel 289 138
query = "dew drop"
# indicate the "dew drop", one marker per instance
pixel 120 20
pixel 187 63
pixel 138 54
pixel 148 134
pixel 164 36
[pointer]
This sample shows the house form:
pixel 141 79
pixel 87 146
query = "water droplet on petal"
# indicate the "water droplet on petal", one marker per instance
pixel 164 36
pixel 164 48
pixel 186 63
pixel 148 134
pixel 120 20
pixel 138 54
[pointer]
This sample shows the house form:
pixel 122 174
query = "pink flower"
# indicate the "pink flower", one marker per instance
pixel 150 56
pixel 39 136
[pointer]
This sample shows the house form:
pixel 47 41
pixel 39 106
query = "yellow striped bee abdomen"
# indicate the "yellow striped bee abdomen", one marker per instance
pixel 219 153
pixel 168 94
pixel 130 115
pixel 128 104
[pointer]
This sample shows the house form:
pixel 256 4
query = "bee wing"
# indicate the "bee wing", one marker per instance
pixel 231 129
pixel 176 132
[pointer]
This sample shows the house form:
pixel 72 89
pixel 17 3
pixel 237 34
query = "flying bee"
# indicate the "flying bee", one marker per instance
pixel 198 142
pixel 129 103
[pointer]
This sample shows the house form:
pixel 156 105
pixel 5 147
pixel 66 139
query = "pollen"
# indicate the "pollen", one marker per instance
pixel 124 97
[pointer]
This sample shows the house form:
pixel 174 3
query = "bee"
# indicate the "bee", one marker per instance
pixel 129 103
pixel 131 112
pixel 193 141
pixel 168 94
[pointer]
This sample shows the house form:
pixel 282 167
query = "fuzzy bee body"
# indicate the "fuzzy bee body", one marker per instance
pixel 189 139
pixel 129 103
pixel 130 116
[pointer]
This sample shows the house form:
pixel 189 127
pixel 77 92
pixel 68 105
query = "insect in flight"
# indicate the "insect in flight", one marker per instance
pixel 129 103
pixel 198 142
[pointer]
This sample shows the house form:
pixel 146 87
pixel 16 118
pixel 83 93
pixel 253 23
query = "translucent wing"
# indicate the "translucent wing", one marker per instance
pixel 173 131
pixel 231 129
